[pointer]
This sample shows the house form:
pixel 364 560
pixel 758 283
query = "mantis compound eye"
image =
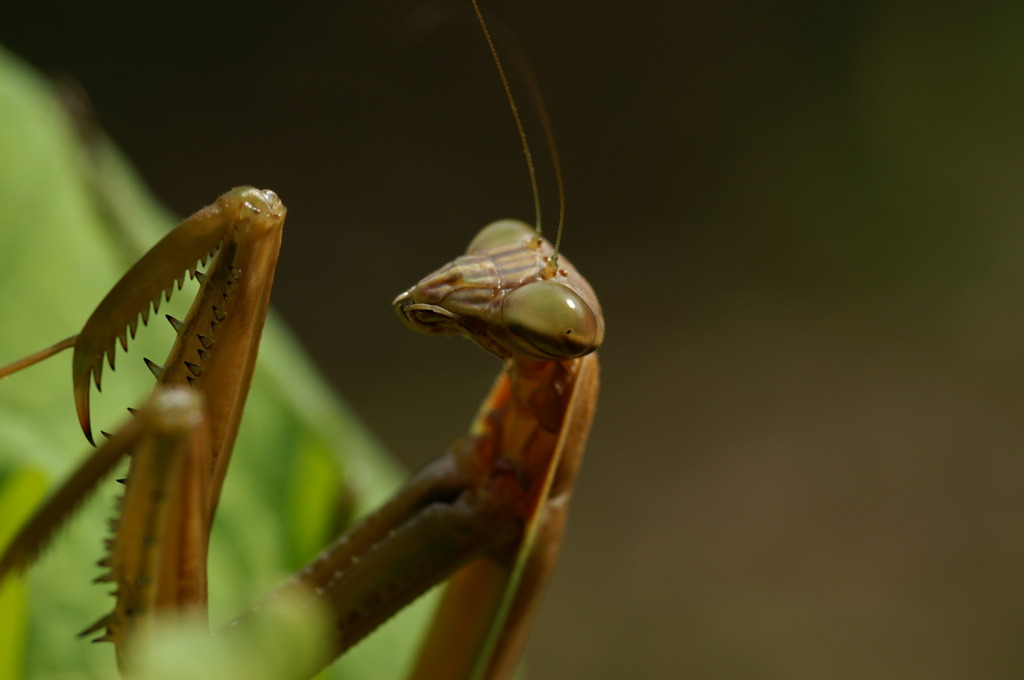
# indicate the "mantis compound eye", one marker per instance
pixel 500 233
pixel 547 320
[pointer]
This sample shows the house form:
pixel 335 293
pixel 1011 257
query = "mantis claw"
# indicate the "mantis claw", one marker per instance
pixel 488 515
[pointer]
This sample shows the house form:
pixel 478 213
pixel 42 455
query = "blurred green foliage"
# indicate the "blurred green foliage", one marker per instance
pixel 74 217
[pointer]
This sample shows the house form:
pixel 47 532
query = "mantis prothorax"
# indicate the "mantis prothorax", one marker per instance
pixel 488 514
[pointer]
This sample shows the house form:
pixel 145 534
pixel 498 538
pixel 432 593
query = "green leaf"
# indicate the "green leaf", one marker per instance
pixel 73 216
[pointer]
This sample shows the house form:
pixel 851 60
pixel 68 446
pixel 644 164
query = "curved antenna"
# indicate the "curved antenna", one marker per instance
pixel 549 137
pixel 542 112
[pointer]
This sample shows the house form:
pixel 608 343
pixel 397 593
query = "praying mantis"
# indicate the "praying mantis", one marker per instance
pixel 489 513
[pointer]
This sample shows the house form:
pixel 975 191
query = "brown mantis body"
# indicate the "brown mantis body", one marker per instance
pixel 503 486
pixel 489 513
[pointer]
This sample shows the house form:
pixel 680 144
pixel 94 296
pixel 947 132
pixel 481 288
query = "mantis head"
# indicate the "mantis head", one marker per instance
pixel 503 295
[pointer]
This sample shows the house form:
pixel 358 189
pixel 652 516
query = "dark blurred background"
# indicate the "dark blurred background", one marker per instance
pixel 805 224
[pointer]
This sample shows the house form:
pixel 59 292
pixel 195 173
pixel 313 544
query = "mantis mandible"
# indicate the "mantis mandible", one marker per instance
pixel 489 513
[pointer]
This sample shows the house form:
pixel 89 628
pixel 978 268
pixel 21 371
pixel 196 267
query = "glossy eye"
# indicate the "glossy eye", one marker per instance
pixel 548 321
pixel 500 233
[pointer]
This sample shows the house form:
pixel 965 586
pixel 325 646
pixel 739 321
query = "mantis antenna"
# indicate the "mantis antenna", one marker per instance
pixel 548 134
